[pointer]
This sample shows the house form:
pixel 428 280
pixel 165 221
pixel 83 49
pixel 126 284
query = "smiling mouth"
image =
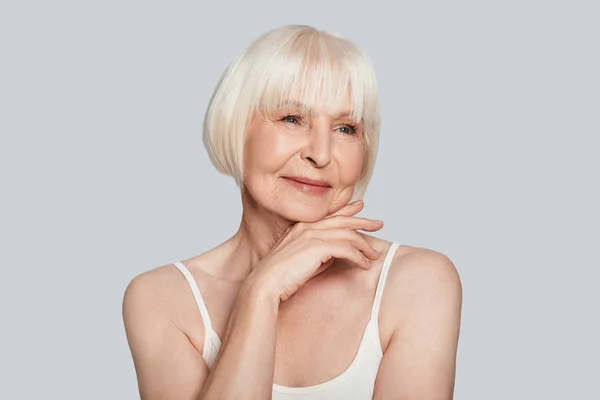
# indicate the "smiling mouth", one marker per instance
pixel 308 186
pixel 307 181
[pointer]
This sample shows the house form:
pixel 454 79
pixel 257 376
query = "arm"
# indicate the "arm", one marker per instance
pixel 420 360
pixel 169 367
pixel 245 364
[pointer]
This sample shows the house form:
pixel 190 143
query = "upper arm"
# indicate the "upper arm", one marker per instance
pixel 420 360
pixel 167 365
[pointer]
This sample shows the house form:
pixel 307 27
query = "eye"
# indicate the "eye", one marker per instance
pixel 348 129
pixel 292 119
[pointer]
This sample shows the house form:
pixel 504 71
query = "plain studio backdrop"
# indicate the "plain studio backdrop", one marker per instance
pixel 489 154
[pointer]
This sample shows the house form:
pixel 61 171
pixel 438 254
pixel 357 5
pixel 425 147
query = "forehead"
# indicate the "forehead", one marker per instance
pixel 343 109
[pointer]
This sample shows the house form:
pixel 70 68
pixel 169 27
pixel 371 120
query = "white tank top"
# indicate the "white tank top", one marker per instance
pixel 356 382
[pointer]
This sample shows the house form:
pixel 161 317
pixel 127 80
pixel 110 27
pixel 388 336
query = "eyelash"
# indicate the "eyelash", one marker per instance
pixel 353 128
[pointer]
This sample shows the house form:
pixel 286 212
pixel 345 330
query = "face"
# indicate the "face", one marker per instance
pixel 289 146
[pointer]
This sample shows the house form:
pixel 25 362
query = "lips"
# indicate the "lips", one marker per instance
pixel 307 181
pixel 311 187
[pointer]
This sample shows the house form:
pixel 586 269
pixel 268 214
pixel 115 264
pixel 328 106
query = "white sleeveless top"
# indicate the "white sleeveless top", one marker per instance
pixel 356 382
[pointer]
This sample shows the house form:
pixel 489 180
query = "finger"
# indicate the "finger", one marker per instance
pixel 345 251
pixel 345 235
pixel 324 266
pixel 341 221
pixel 349 209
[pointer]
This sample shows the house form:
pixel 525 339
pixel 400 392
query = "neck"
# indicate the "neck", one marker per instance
pixel 258 233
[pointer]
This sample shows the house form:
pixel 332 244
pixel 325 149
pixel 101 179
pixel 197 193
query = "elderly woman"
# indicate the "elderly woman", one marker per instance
pixel 297 303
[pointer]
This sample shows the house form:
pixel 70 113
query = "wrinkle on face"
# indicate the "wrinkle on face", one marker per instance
pixel 276 147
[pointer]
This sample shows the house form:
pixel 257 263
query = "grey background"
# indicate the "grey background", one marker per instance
pixel 489 154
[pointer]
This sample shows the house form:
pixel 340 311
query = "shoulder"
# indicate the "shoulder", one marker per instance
pixel 165 293
pixel 424 264
pixel 155 283
pixel 416 261
pixel 166 359
pixel 423 280
pixel 424 312
pixel 159 299
pixel 155 293
pixel 166 283
pixel 149 290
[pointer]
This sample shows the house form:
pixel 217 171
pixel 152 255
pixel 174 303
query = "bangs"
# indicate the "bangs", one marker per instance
pixel 313 73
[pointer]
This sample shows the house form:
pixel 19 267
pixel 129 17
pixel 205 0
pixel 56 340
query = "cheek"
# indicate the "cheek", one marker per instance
pixel 268 150
pixel 350 164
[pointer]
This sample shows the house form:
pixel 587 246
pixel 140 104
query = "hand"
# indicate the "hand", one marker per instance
pixel 307 249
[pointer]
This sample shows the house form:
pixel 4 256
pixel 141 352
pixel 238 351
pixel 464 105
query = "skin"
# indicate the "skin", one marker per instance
pixel 419 317
pixel 279 145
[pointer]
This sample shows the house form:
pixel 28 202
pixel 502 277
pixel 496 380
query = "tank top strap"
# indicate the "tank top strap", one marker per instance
pixel 381 283
pixel 212 342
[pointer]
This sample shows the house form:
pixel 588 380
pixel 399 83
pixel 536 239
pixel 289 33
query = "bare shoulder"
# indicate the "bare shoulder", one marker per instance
pixel 420 276
pixel 153 294
pixel 424 299
pixel 165 292
pixel 153 279
pixel 166 361
pixel 424 263
pixel 412 259
pixel 157 287
pixel 167 288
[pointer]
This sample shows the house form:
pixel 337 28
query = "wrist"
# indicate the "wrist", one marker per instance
pixel 259 294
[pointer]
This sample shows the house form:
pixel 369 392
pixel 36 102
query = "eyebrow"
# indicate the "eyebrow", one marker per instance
pixel 302 106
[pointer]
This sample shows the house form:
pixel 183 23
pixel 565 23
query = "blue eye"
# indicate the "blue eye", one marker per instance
pixel 293 119
pixel 350 129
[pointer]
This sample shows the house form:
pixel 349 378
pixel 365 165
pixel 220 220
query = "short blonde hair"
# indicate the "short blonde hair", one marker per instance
pixel 293 63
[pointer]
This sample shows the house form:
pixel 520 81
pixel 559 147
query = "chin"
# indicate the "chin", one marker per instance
pixel 302 212
pixel 296 206
pixel 310 209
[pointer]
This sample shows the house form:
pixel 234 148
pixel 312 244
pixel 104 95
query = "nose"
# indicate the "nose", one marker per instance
pixel 317 150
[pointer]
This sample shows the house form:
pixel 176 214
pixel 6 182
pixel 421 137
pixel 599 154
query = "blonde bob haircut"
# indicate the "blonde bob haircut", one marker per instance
pixel 295 63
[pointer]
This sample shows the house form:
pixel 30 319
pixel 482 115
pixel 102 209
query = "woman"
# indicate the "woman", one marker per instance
pixel 298 303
